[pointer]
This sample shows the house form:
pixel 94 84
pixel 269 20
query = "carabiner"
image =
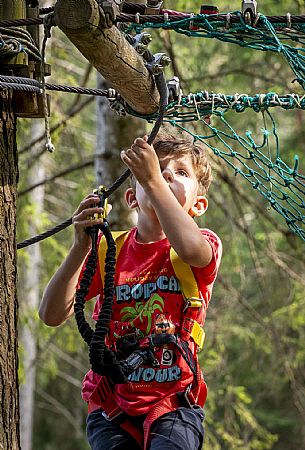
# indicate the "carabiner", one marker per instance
pixel 100 191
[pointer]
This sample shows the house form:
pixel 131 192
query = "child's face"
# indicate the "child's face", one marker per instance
pixel 181 178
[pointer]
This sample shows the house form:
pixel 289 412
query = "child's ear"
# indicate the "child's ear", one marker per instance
pixel 130 197
pixel 199 207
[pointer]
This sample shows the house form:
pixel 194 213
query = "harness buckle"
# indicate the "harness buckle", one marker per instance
pixel 113 416
pixel 198 334
pixel 193 302
pixel 184 397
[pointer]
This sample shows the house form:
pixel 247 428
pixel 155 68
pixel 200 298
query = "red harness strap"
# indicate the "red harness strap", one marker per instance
pixel 105 398
pixel 103 394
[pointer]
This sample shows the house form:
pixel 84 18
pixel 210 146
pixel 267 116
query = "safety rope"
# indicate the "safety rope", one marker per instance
pixel 168 17
pixel 280 183
pixel 16 40
pixel 103 360
pixel 162 88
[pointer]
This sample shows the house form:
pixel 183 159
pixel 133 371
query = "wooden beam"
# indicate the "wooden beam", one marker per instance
pixel 109 52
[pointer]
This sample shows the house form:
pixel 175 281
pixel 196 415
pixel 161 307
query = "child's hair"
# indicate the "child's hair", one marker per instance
pixel 169 143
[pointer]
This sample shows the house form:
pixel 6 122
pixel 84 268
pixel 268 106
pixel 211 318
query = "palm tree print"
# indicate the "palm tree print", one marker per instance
pixel 143 310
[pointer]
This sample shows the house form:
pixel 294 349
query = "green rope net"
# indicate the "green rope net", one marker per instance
pixel 264 168
pixel 267 172
pixel 232 28
pixel 280 184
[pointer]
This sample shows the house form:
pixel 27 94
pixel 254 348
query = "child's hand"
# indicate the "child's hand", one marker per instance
pixel 142 160
pixel 82 219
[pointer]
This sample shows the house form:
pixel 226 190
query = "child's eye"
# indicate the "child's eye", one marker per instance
pixel 183 173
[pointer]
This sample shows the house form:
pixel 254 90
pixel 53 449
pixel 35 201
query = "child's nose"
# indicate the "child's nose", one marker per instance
pixel 168 175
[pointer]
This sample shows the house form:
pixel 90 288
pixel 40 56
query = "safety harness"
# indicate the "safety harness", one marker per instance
pixel 103 397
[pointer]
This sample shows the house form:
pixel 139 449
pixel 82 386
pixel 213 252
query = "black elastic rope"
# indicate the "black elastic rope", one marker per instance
pixel 103 360
pixel 83 326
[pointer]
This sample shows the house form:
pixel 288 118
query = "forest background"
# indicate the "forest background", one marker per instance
pixel 254 355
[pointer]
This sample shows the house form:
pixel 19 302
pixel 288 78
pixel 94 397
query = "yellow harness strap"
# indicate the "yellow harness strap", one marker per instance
pixel 190 293
pixel 119 238
pixel 182 271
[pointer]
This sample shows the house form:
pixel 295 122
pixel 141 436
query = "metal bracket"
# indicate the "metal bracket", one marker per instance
pixel 249 11
pixel 153 7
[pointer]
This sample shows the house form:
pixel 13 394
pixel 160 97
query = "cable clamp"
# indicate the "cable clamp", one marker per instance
pixel 249 11
pixel 153 7
pixel 174 89
pixel 288 17
pixel 116 102
pixel 158 62
pixel 139 42
pixel 109 10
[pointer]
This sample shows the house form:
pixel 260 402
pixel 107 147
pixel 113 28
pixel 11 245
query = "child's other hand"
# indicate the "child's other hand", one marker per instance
pixel 142 160
pixel 83 218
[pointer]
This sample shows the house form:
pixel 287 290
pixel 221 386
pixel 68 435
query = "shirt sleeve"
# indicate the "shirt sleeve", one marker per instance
pixel 208 274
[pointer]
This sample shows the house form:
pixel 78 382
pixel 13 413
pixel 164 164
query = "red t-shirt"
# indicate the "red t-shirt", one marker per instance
pixel 145 288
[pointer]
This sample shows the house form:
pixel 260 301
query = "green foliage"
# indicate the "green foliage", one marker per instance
pixel 254 356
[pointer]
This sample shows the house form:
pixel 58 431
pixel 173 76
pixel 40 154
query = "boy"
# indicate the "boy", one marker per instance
pixel 164 397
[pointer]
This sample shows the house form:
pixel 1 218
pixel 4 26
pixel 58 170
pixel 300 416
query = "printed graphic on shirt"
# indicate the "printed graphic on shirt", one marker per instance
pixel 143 312
pixel 143 291
pixel 148 294
pixel 149 374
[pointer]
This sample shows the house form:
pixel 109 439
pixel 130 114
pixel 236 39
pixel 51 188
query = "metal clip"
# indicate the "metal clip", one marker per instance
pixel 249 11
pixel 139 41
pixel 100 191
pixel 153 7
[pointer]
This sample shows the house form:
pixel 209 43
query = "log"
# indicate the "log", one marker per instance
pixel 109 52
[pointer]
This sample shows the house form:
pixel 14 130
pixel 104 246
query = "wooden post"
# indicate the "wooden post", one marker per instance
pixel 9 405
pixel 11 9
pixel 109 52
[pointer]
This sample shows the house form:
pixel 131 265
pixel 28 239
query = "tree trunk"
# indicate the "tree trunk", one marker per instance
pixel 9 418
pixel 109 52
pixel 29 301
pixel 30 289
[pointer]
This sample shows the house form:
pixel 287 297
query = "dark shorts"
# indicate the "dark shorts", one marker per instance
pixel 181 429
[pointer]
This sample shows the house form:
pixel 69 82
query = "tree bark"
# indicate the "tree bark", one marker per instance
pixel 109 52
pixel 29 301
pixel 9 417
